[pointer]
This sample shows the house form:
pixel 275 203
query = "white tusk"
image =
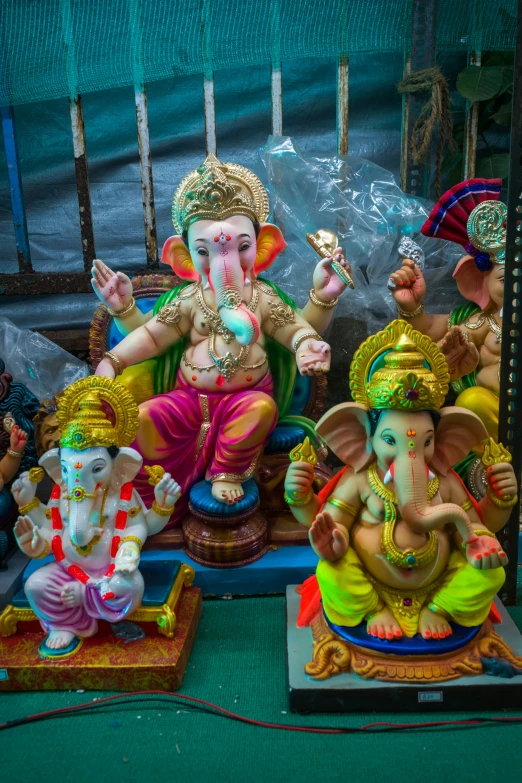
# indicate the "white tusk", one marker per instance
pixel 430 475
pixel 248 281
pixel 388 477
pixel 206 286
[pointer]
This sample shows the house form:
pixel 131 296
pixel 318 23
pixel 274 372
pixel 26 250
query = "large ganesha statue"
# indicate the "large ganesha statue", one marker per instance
pixel 224 346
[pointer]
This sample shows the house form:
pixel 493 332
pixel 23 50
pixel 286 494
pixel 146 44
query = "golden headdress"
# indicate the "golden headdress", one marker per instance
pixel 216 191
pixel 399 369
pixel 82 419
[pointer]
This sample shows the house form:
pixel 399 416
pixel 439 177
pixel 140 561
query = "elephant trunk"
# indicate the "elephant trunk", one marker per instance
pixel 81 530
pixel 410 476
pixel 227 280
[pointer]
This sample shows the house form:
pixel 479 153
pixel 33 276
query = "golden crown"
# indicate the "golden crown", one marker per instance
pixel 82 419
pixel 389 371
pixel 216 191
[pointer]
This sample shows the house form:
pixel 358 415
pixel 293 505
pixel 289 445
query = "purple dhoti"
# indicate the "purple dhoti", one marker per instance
pixel 217 435
pixel 44 592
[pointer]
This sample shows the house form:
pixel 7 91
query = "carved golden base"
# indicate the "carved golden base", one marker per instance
pixel 164 615
pixel 332 655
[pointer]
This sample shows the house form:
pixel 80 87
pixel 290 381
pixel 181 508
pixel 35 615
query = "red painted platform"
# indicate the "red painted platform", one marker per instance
pixel 105 662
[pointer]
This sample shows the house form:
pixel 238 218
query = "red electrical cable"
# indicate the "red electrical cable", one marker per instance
pixel 370 727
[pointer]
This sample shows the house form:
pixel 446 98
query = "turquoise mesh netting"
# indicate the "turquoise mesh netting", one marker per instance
pixel 56 48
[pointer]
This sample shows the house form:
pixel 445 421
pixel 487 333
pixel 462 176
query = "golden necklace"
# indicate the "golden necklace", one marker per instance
pixel 215 324
pixel 86 550
pixel 409 558
pixel 489 319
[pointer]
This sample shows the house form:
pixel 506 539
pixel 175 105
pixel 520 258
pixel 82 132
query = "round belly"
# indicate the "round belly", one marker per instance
pixel 241 373
pixel 366 540
pixel 488 377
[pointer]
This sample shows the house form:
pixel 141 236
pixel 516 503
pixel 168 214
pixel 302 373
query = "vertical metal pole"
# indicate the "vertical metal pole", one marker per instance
pixel 415 179
pixel 15 189
pixel 82 181
pixel 147 184
pixel 510 413
pixel 78 137
pixel 210 114
pixel 277 100
pixel 471 130
pixel 142 126
pixel 343 73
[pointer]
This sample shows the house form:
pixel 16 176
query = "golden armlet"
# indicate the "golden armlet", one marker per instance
pixel 346 507
pixel 467 505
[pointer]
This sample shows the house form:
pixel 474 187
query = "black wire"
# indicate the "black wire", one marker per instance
pixel 170 700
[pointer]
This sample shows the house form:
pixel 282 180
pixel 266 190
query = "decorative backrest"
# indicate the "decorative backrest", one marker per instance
pixel 298 396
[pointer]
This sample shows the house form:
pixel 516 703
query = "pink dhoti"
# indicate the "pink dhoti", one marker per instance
pixel 44 590
pixel 195 436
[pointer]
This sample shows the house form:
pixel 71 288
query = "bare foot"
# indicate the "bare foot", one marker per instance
pixel 227 491
pixel 433 626
pixel 57 640
pixel 384 626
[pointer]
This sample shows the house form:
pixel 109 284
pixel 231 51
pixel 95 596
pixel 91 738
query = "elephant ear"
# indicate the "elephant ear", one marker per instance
pixel 458 431
pixel 51 463
pixel 471 282
pixel 269 243
pixel 346 431
pixel 126 465
pixel 176 254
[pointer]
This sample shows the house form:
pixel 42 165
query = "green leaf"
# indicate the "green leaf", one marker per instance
pixel 494 166
pixel 503 115
pixel 479 84
pixel 507 79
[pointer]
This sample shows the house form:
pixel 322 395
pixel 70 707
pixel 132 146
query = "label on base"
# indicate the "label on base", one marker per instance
pixel 424 696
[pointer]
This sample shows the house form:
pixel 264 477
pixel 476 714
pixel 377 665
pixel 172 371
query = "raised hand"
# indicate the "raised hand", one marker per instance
pixel 18 439
pixel 327 283
pixel 114 289
pixel 326 539
pixel 127 558
pixel 461 354
pixel 23 490
pixel 502 480
pixel 167 491
pixel 298 480
pixel 313 357
pixel 29 538
pixel 485 553
pixel 408 286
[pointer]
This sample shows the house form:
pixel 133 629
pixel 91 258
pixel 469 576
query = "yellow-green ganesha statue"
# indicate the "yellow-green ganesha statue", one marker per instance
pixel 408 561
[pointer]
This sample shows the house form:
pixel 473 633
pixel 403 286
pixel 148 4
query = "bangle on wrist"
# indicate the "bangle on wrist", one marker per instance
pixel 115 361
pixel 327 305
pixel 16 454
pixel 404 314
pixel 299 501
pixel 163 512
pixel 29 506
pixel 306 336
pixel 45 551
pixel 508 502
pixel 122 313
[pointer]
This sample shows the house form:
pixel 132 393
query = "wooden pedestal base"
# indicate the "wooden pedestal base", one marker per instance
pixel 104 661
pixel 227 541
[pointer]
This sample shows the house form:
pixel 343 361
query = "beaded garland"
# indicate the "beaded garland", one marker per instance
pixel 57 547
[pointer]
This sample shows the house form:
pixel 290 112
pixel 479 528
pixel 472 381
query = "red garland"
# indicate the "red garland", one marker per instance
pixel 57 546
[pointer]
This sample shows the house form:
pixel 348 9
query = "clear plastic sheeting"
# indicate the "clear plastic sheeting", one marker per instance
pixel 363 204
pixel 40 364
